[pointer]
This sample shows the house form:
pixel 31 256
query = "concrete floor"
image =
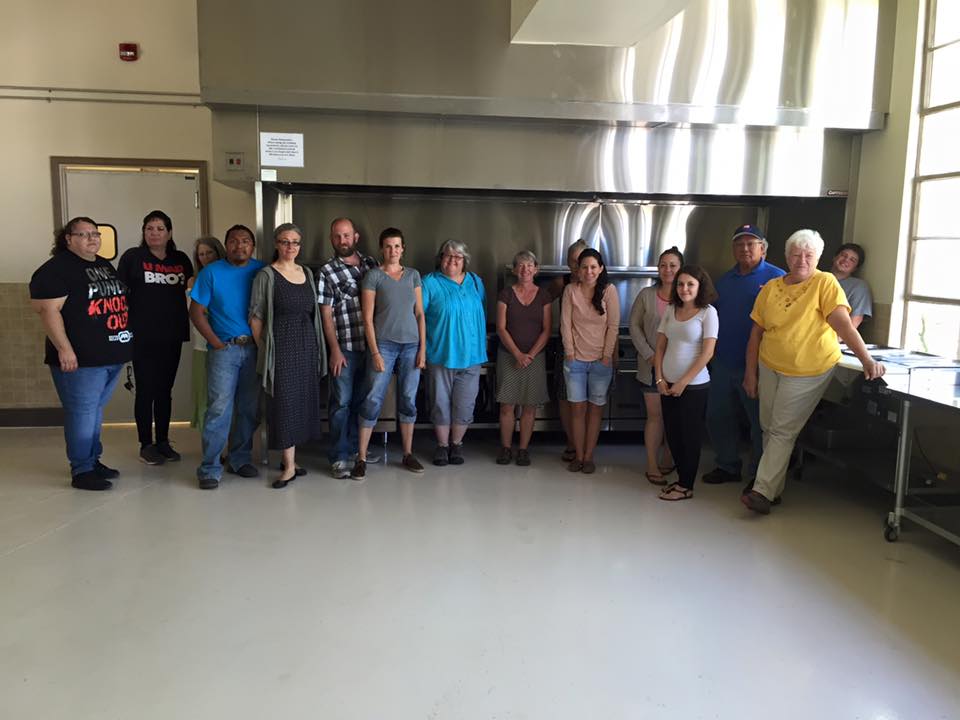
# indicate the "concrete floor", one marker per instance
pixel 471 592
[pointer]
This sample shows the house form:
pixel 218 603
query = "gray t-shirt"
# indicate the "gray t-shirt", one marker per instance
pixel 393 317
pixel 858 295
pixel 685 342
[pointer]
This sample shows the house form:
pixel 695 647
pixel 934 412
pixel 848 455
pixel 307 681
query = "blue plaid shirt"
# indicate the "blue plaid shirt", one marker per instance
pixel 338 285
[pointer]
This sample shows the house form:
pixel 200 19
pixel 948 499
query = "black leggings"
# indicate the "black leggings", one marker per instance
pixel 155 368
pixel 683 422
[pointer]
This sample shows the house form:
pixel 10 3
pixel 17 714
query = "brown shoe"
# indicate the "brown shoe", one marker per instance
pixel 359 471
pixel 756 502
pixel 412 464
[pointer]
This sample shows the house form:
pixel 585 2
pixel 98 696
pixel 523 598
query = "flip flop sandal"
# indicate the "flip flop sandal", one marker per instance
pixel 575 466
pixel 655 479
pixel 569 455
pixel 667 471
pixel 675 492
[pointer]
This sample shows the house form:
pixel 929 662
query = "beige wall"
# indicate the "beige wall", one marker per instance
pixel 63 44
pixel 71 44
pixel 94 130
pixel 66 44
pixel 881 217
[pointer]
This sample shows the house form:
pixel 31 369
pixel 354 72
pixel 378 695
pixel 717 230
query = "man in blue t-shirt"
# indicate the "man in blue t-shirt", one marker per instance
pixel 220 311
pixel 737 290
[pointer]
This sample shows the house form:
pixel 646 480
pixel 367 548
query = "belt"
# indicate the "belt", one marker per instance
pixel 239 340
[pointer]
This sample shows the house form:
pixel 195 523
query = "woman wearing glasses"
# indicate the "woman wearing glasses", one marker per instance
pixel 453 302
pixel 156 274
pixel 291 353
pixel 83 307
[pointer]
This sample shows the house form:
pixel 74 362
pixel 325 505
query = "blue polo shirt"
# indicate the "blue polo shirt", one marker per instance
pixel 224 290
pixel 456 321
pixel 737 293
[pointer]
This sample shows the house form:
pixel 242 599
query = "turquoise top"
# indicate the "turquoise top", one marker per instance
pixel 456 321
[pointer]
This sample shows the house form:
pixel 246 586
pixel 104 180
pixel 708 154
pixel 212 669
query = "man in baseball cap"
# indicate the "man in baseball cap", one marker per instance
pixel 737 289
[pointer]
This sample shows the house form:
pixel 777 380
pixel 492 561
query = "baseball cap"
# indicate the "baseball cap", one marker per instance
pixel 751 230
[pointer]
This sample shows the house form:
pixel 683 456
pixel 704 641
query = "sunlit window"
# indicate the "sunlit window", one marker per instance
pixel 933 294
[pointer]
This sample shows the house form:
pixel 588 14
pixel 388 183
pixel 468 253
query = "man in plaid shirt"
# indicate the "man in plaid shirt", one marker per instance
pixel 339 286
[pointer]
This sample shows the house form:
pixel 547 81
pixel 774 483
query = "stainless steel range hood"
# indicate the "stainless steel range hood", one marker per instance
pixel 734 97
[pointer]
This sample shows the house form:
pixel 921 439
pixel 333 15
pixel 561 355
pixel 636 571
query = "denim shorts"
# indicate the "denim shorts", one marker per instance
pixel 587 380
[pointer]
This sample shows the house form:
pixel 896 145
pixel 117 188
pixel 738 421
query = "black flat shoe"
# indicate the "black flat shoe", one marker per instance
pixel 300 471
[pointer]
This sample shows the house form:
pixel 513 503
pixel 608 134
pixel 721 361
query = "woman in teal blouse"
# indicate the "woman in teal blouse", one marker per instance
pixel 453 304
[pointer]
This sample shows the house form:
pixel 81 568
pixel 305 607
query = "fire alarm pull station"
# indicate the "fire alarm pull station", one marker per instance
pixel 129 52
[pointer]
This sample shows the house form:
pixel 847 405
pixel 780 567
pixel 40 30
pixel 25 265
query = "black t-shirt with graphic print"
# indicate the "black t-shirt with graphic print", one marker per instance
pixel 158 301
pixel 95 313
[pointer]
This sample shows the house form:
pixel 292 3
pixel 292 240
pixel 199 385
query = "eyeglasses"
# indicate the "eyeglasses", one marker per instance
pixel 88 235
pixel 457 258
pixel 289 243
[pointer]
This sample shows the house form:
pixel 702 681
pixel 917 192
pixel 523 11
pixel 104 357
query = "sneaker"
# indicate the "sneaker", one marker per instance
pixel 456 453
pixel 107 473
pixel 208 483
pixel 247 470
pixel 359 471
pixel 756 502
pixel 340 469
pixel 441 456
pixel 168 452
pixel 90 480
pixel 412 464
pixel 523 457
pixel 719 475
pixel 150 455
pixel 504 456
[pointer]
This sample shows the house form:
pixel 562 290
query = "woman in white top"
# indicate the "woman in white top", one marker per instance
pixel 645 316
pixel 686 339
pixel 205 251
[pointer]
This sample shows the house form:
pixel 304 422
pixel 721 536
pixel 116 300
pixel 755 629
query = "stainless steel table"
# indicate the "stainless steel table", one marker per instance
pixel 916 378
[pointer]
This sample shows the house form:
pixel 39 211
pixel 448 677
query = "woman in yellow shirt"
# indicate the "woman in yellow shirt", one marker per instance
pixel 792 350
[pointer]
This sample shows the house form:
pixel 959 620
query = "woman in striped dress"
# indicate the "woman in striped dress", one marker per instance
pixel 523 326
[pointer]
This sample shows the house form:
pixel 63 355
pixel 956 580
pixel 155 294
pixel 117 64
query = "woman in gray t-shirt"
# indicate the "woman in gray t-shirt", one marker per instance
pixel 686 339
pixel 393 323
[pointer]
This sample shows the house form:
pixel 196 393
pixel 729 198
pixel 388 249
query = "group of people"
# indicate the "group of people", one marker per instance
pixel 763 342
pixel 771 338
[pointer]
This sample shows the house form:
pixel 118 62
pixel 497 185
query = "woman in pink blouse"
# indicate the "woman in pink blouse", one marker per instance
pixel 589 323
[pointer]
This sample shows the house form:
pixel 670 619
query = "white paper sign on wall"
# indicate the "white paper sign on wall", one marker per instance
pixel 281 149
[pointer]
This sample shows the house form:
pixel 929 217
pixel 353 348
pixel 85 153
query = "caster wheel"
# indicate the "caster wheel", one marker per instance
pixel 891 533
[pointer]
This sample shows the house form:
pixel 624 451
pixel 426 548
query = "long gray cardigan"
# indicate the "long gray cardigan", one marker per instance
pixel 261 306
pixel 644 322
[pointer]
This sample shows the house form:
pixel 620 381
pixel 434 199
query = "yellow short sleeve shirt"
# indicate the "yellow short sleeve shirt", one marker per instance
pixel 797 340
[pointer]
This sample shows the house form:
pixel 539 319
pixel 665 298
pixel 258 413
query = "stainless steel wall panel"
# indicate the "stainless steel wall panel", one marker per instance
pixel 560 157
pixel 630 234
pixel 746 62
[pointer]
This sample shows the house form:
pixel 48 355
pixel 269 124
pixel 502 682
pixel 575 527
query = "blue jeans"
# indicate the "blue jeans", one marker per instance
pixel 403 356
pixel 83 394
pixel 587 380
pixel 726 395
pixel 231 382
pixel 346 395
